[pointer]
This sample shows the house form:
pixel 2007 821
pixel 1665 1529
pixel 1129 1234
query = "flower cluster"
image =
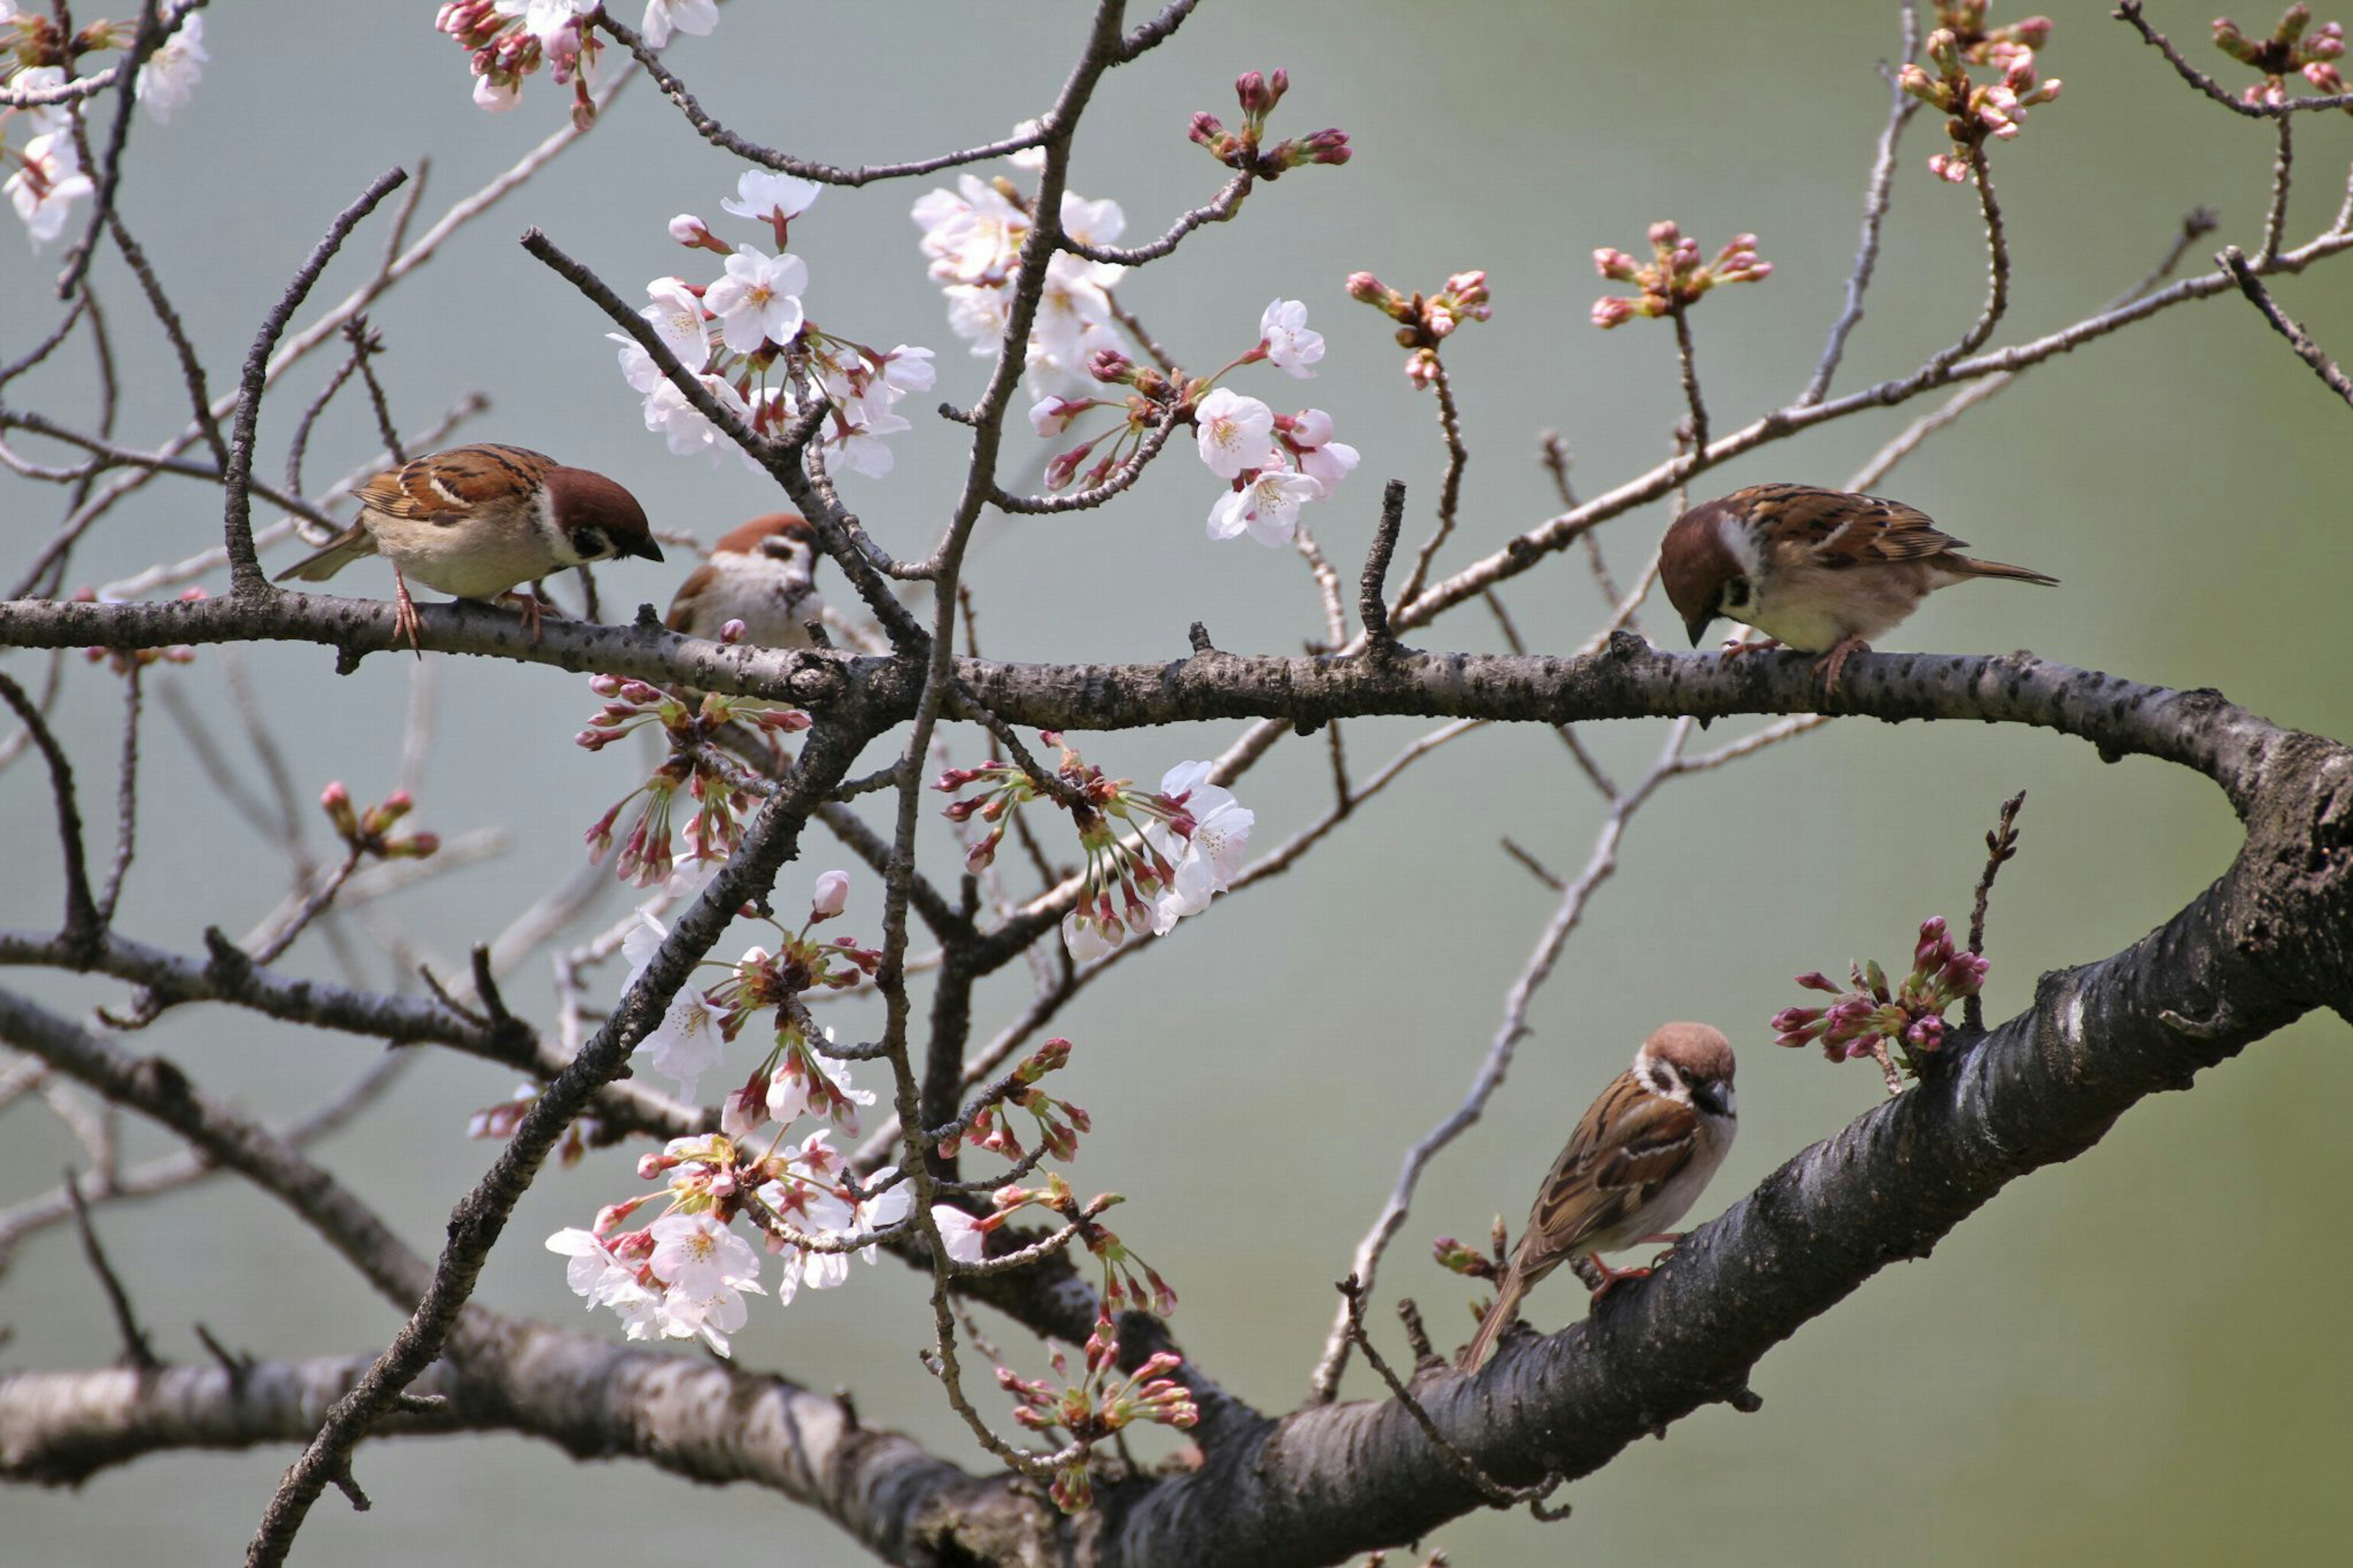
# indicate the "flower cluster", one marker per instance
pixel 721 787
pixel 1675 277
pixel 123 660
pixel 1247 149
pixel 1099 1404
pixel 1425 321
pixel 745 337
pixel 1871 1020
pixel 1978 110
pixel 36 56
pixel 1190 841
pixel 2289 48
pixel 973 236
pixel 790 1081
pixel 687 1272
pixel 369 832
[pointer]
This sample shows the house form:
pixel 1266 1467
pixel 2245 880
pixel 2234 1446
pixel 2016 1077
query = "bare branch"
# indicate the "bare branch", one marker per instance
pixel 2310 352
pixel 1881 185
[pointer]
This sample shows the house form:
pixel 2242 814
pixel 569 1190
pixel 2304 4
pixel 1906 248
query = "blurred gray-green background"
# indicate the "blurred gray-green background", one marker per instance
pixel 2135 1358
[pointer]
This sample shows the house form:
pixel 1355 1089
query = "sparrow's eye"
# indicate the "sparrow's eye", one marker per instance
pixel 1736 593
pixel 590 543
pixel 779 548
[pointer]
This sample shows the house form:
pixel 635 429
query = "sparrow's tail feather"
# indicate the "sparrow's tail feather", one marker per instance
pixel 1499 1316
pixel 1972 566
pixel 338 553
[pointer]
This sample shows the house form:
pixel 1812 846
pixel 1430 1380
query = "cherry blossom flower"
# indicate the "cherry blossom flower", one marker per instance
pixel 768 198
pixel 594 1272
pixel 687 1043
pixel 909 369
pixel 664 16
pixel 1266 508
pixel 1321 458
pixel 1235 432
pixel 169 77
pixel 960 1233
pixel 972 234
pixel 546 20
pixel 1210 855
pixel 677 318
pixel 759 300
pixel 1029 159
pixel 696 1254
pixel 46 185
pixel 1284 339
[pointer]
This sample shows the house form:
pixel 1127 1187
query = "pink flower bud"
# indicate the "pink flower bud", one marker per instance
pixel 1614 264
pixel 1207 128
pixel 1250 88
pixel 1612 311
pixel 732 632
pixel 1664 234
pixel 1365 288
pixel 832 895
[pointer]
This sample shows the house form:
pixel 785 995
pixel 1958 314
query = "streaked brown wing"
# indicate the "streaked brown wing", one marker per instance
pixel 449 485
pixel 681 608
pixel 1629 1144
pixel 1834 529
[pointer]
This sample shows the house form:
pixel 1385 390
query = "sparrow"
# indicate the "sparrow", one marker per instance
pixel 476 521
pixel 762 574
pixel 1639 1157
pixel 1823 571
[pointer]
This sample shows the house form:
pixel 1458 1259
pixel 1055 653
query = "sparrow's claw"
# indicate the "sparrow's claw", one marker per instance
pixel 405 621
pixel 531 608
pixel 1735 648
pixel 1613 1277
pixel 1835 660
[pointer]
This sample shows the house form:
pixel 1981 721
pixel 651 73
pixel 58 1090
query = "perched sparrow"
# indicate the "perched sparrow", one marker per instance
pixel 762 574
pixel 1639 1158
pixel 1822 571
pixel 475 521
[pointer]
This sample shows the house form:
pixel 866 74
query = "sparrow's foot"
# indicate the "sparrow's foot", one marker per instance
pixel 1734 649
pixel 405 621
pixel 1612 1278
pixel 1835 660
pixel 529 606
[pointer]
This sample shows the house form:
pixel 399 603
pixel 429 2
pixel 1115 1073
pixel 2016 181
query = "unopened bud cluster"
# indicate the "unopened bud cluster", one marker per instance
pixel 1978 110
pixel 506 48
pixel 1873 1020
pixel 1058 1122
pixel 369 832
pixel 1247 148
pixel 1674 278
pixel 1425 321
pixel 1100 1403
pixel 2288 49
pixel 721 789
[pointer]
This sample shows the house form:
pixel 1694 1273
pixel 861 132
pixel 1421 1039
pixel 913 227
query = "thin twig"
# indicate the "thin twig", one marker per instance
pixel 1352 1294
pixel 81 921
pixel 237 478
pixel 2276 216
pixel 1372 603
pixel 2001 846
pixel 126 800
pixel 1449 486
pixel 137 1353
pixel 2310 352
pixel 2129 11
pixel 1876 191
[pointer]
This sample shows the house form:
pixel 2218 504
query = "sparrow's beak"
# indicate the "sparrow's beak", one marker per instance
pixel 1696 623
pixel 643 548
pixel 1714 1097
